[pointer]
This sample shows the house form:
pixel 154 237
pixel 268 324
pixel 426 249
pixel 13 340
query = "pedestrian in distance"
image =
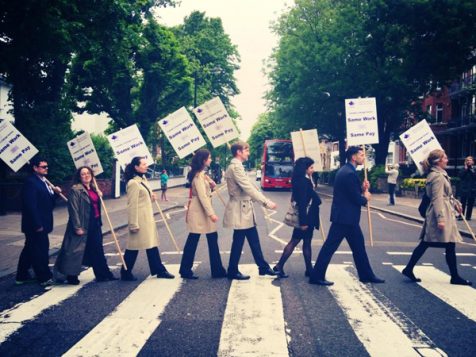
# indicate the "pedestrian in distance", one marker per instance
pixel 164 179
pixel 392 172
pixel 38 201
pixel 307 201
pixel 83 240
pixel 349 197
pixel 439 229
pixel 240 215
pixel 201 218
pixel 467 188
pixel 141 223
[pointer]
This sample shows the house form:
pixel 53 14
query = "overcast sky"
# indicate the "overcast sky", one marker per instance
pixel 247 22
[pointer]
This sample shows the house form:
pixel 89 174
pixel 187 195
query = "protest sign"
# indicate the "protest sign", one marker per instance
pixel 182 132
pixel 306 143
pixel 83 153
pixel 419 140
pixel 216 122
pixel 361 121
pixel 15 149
pixel 127 144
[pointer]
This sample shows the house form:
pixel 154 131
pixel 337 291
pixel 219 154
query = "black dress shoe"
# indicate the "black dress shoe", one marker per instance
pixel 409 274
pixel 72 280
pixel 460 281
pixel 165 275
pixel 189 276
pixel 373 280
pixel 321 282
pixel 267 271
pixel 280 273
pixel 238 276
pixel 127 276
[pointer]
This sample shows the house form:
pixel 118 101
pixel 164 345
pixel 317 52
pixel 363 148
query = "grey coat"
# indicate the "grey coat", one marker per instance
pixel 239 211
pixel 441 209
pixel 71 254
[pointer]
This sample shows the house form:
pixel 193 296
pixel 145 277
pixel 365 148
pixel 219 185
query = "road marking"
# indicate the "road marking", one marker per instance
pixel 465 265
pixel 13 319
pixel 125 331
pixel 254 323
pixel 427 264
pixel 387 263
pixel 397 221
pixel 459 297
pixel 465 254
pixel 381 327
pixel 399 253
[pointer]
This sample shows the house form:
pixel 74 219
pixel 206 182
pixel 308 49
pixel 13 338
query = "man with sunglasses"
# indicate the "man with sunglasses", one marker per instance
pixel 38 200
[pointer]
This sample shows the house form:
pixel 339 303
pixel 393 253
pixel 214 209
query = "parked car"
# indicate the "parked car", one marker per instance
pixel 258 175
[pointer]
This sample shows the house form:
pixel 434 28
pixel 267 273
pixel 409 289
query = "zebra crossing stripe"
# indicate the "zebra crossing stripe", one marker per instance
pixel 381 327
pixel 254 323
pixel 125 331
pixel 13 319
pixel 461 298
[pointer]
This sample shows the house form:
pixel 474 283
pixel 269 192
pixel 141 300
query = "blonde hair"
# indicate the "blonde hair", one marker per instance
pixel 468 158
pixel 433 158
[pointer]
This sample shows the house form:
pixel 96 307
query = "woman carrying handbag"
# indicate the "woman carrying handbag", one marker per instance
pixel 307 203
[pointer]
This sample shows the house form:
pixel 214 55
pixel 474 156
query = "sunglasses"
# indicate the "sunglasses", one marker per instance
pixel 43 167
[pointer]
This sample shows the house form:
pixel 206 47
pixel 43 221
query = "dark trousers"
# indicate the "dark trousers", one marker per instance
pixel 391 193
pixel 467 202
pixel 94 251
pixel 355 238
pixel 35 254
pixel 239 235
pixel 153 257
pixel 450 255
pixel 190 248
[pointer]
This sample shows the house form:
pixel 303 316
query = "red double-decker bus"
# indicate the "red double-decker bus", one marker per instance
pixel 277 164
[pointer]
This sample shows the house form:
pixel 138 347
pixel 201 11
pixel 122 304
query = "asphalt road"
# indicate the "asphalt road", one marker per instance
pixel 259 317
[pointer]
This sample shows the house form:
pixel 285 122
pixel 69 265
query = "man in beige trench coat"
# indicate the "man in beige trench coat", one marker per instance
pixel 239 213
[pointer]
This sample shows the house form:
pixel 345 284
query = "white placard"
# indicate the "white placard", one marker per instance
pixel 419 141
pixel 361 121
pixel 15 149
pixel 306 143
pixel 182 132
pixel 83 153
pixel 216 122
pixel 127 144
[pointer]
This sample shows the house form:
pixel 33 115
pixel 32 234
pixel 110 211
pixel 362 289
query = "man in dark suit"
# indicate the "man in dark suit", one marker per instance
pixel 38 200
pixel 349 196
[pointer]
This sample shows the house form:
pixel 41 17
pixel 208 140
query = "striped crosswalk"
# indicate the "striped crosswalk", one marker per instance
pixel 253 320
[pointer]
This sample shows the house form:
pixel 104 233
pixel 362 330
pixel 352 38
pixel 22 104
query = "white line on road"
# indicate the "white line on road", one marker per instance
pixel 399 253
pixel 254 323
pixel 381 327
pixel 125 331
pixel 13 319
pixel 459 297
pixel 398 221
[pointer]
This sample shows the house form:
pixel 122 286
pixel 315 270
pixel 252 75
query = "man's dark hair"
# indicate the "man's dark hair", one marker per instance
pixel 351 151
pixel 239 145
pixel 35 161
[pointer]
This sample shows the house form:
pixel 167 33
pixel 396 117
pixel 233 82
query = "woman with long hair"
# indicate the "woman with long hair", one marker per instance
pixel 201 218
pixel 142 228
pixel 82 243
pixel 307 201
pixel 439 229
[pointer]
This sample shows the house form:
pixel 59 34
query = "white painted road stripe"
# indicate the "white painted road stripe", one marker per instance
pixel 461 298
pixel 13 319
pixel 125 331
pixel 253 324
pixel 381 327
pixel 399 253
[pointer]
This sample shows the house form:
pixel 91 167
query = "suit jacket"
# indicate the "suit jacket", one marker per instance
pixel 307 201
pixel 37 206
pixel 239 211
pixel 348 197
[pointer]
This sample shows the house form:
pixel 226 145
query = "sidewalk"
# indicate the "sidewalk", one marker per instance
pixel 12 239
pixel 405 207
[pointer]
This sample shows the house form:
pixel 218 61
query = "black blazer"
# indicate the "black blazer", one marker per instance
pixel 37 206
pixel 303 193
pixel 348 197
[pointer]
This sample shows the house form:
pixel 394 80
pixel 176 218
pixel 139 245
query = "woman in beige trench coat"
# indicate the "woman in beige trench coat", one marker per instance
pixel 142 228
pixel 439 229
pixel 201 218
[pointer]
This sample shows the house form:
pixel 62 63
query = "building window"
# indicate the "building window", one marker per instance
pixel 428 109
pixel 473 105
pixel 439 113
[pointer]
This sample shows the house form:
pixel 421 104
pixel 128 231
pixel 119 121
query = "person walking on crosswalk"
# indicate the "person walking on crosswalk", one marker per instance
pixel 345 217
pixel 201 218
pixel 240 215
pixel 440 228
pixel 142 227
